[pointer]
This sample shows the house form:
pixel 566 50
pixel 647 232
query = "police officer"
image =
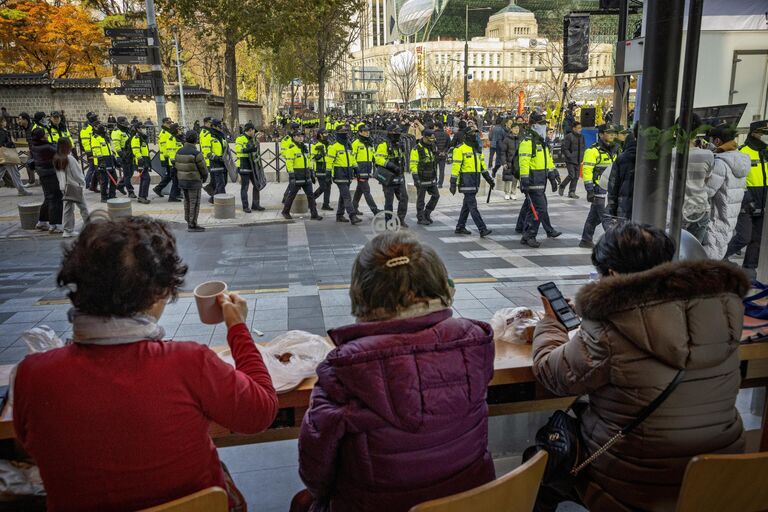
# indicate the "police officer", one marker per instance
pixel 218 144
pixel 25 123
pixel 139 151
pixel 120 136
pixel 537 166
pixel 162 142
pixel 423 164
pixel 363 149
pixel 320 156
pixel 58 128
pixel 298 163
pixel 205 139
pixel 85 136
pixel 390 161
pixel 343 167
pixel 468 165
pixel 172 145
pixel 749 227
pixel 105 158
pixel 249 156
pixel 597 158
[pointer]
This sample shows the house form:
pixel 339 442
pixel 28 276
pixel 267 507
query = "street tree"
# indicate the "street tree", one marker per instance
pixel 62 41
pixel 442 78
pixel 401 73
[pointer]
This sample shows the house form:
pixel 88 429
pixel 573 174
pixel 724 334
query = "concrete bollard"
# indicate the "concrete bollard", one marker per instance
pixel 28 214
pixel 119 207
pixel 300 204
pixel 224 206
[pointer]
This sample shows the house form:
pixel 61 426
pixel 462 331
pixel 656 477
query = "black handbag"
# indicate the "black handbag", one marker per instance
pixel 561 439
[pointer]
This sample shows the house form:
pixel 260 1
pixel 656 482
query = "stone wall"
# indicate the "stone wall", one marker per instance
pixel 77 102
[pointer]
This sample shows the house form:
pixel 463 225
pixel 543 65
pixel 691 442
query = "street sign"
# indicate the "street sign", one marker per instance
pixel 144 82
pixel 135 91
pixel 127 43
pixel 131 33
pixel 129 59
pixel 127 52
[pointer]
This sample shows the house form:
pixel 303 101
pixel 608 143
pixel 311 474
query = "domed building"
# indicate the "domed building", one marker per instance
pixel 512 22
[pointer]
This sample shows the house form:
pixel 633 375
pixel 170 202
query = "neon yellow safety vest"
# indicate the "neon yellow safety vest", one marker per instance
pixel 139 149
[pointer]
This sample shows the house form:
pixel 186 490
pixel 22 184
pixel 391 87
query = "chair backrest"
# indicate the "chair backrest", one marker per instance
pixel 514 492
pixel 212 499
pixel 724 483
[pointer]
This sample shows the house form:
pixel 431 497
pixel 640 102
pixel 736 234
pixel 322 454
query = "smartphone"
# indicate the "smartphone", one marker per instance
pixel 564 312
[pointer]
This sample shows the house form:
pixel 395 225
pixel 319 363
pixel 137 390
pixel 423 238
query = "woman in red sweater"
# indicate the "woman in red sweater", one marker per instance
pixel 118 420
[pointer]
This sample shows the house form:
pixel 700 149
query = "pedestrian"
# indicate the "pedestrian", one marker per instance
pixel 442 145
pixel 298 164
pixel 537 166
pixel 497 134
pixel 390 169
pixel 218 145
pixel 25 123
pixel 620 188
pixel 249 157
pixel 725 187
pixel 423 164
pixel 363 150
pixel 573 148
pixel 192 172
pixel 73 186
pixel 508 157
pixel 320 159
pixel 342 167
pixel 749 227
pixel 42 153
pixel 10 169
pixel 467 167
pixel 139 144
pixel 597 158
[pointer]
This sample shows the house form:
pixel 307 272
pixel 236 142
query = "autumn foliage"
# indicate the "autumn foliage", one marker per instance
pixel 62 40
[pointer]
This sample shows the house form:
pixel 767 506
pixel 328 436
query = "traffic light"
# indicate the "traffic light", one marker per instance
pixel 466 97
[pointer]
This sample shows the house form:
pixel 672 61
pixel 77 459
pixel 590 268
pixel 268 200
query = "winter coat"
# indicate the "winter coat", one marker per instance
pixel 696 204
pixel 573 148
pixel 725 188
pixel 398 415
pixel 442 143
pixel 498 133
pixel 190 167
pixel 508 151
pixel 637 331
pixel 6 139
pixel 42 155
pixel 621 183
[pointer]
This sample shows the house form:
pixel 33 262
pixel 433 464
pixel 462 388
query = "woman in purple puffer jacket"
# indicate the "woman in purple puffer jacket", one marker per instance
pixel 398 415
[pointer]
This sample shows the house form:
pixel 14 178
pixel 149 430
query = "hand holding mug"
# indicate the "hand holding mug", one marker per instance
pixel 234 308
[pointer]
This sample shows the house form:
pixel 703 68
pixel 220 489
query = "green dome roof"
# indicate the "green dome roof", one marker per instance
pixel 513 8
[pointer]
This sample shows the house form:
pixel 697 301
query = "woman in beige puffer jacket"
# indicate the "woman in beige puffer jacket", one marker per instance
pixel 639 328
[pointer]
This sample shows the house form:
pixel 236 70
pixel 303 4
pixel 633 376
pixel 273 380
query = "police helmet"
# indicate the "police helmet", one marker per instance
pixel 91 117
pixel 122 121
pixel 39 116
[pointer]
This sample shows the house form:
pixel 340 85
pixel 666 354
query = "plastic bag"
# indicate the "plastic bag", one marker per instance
pixel 291 358
pixel 41 339
pixel 19 482
pixel 514 325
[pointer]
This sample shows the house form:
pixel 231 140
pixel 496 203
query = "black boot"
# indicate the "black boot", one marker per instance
pixel 354 219
pixel 159 192
pixel 286 215
pixel 341 218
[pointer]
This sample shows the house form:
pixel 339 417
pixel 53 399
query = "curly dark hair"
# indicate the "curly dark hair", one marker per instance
pixel 122 267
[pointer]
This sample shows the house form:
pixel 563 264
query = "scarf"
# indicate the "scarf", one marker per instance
pixel 113 330
pixel 731 145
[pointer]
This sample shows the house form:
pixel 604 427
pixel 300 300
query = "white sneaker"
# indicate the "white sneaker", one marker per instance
pixel 70 234
pixel 507 197
pixel 55 230
pixel 514 197
pixel 42 226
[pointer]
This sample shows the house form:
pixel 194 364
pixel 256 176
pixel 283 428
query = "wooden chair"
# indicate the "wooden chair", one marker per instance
pixel 724 483
pixel 514 492
pixel 212 499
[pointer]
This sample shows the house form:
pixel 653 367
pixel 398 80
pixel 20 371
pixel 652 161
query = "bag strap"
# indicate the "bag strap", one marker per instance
pixel 642 416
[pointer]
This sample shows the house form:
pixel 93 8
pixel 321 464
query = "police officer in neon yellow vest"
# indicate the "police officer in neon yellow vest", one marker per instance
pixel 248 156
pixel 597 158
pixel 343 168
pixel 467 169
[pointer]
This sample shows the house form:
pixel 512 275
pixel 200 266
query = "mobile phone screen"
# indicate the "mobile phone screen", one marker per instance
pixel 564 312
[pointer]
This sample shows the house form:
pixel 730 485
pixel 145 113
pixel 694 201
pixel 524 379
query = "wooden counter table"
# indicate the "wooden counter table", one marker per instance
pixel 512 390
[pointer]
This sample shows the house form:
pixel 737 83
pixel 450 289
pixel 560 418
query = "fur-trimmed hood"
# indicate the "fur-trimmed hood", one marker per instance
pixel 672 310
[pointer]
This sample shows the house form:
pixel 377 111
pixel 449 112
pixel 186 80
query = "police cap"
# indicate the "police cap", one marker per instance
pixel 607 128
pixel 537 118
pixel 215 122
pixel 759 126
pixel 248 126
pixel 55 113
pixel 39 116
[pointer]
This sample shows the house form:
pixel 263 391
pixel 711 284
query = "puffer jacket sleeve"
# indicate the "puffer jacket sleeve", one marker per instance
pixel 572 367
pixel 321 431
pixel 716 179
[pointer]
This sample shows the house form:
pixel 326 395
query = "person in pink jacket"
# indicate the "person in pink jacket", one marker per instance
pixel 398 415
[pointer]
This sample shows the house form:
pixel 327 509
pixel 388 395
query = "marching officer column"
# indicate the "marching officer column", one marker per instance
pixel 320 158
pixel 468 165
pixel 390 173
pixel 537 166
pixel 362 148
pixel 248 154
pixel 342 166
pixel 597 158
pixel 298 163
pixel 139 144
pixel 423 165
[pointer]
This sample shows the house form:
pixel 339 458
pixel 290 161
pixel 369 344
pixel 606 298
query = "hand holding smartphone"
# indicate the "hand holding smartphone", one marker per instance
pixel 560 307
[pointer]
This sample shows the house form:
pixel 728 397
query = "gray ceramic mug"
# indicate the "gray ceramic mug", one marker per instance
pixel 207 306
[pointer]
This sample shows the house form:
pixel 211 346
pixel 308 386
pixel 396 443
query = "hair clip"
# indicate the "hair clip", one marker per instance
pixel 396 262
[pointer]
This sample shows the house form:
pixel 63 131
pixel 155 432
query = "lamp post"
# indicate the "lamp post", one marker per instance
pixel 466 50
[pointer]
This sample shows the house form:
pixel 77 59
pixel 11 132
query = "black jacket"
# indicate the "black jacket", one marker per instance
pixel 442 143
pixel 508 151
pixel 621 183
pixel 6 140
pixel 573 148
pixel 42 155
